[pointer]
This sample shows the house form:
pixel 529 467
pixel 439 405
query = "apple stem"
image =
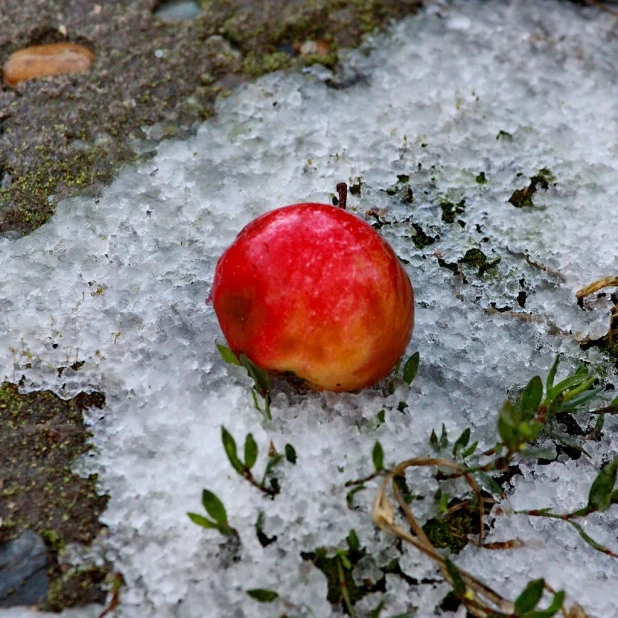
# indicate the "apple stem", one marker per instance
pixel 342 190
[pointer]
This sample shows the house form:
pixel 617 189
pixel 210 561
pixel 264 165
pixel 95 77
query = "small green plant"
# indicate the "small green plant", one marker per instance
pixel 269 484
pixel 214 507
pixel 260 391
pixel 519 426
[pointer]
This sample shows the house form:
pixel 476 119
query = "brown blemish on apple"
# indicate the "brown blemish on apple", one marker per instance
pixel 244 316
pixel 45 61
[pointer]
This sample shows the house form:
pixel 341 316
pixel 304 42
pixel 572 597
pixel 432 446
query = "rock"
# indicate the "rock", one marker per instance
pixel 177 10
pixel 23 574
pixel 46 60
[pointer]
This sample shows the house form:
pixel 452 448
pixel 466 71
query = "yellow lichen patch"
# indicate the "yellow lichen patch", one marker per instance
pixel 46 60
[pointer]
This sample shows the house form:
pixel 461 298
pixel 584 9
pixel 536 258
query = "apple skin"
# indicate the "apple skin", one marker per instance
pixel 314 290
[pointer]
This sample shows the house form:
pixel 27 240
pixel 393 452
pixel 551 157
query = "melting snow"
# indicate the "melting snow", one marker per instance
pixel 506 89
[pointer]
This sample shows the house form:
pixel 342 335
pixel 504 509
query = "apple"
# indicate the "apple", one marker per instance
pixel 313 292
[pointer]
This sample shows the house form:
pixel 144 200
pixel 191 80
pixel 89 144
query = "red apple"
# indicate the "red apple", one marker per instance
pixel 314 290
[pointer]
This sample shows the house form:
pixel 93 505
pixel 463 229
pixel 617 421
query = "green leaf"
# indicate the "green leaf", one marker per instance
pixel 229 444
pixel 214 507
pixel 227 355
pixel 433 441
pixel 257 374
pixel 530 398
pixel 551 375
pixel 378 456
pixel 223 528
pixel 552 610
pixel 614 403
pixel 345 561
pixel 263 595
pixel 598 426
pixel 457 582
pixel 600 496
pixel 443 502
pixel 380 417
pixel 530 597
pixel 443 438
pixel 200 520
pixel 470 450
pixel 411 367
pixel 353 541
pixel 508 424
pixel 290 453
pixel 568 383
pixel 251 451
pixel 462 441
pixel 594 544
pixel 538 453
pixel 581 369
pixel 578 400
pixel 584 386
pixel 490 484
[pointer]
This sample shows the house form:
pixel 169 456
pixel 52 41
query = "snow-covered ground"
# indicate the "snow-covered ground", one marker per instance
pixel 504 88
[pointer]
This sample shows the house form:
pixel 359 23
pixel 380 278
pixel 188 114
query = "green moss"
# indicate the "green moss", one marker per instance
pixel 402 189
pixel 38 139
pixel 52 540
pixel 76 587
pixel 41 435
pixel 420 238
pixel 255 65
pixel 475 258
pixel 329 61
pixel 450 210
pixel 481 179
pixel 28 202
pixel 451 531
pixel 522 198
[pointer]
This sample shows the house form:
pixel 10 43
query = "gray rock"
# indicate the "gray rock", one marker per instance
pixel 23 576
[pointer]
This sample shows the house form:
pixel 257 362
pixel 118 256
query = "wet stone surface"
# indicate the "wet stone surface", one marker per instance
pixel 23 580
pixel 70 133
pixel 44 505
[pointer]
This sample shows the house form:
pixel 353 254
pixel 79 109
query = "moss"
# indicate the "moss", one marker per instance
pixel 76 587
pixel 522 198
pixel 254 65
pixel 402 189
pixel 481 179
pixel 41 435
pixel 37 149
pixel 451 531
pixel 475 258
pixel 330 60
pixel 332 570
pixel 28 202
pixel 450 210
pixel 420 238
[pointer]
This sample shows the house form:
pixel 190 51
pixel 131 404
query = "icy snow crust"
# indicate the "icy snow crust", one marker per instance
pixel 120 282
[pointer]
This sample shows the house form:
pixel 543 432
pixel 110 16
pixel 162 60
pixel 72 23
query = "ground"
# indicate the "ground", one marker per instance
pixel 66 135
pixel 150 80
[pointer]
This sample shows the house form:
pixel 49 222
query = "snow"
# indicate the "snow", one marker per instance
pixel 120 283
